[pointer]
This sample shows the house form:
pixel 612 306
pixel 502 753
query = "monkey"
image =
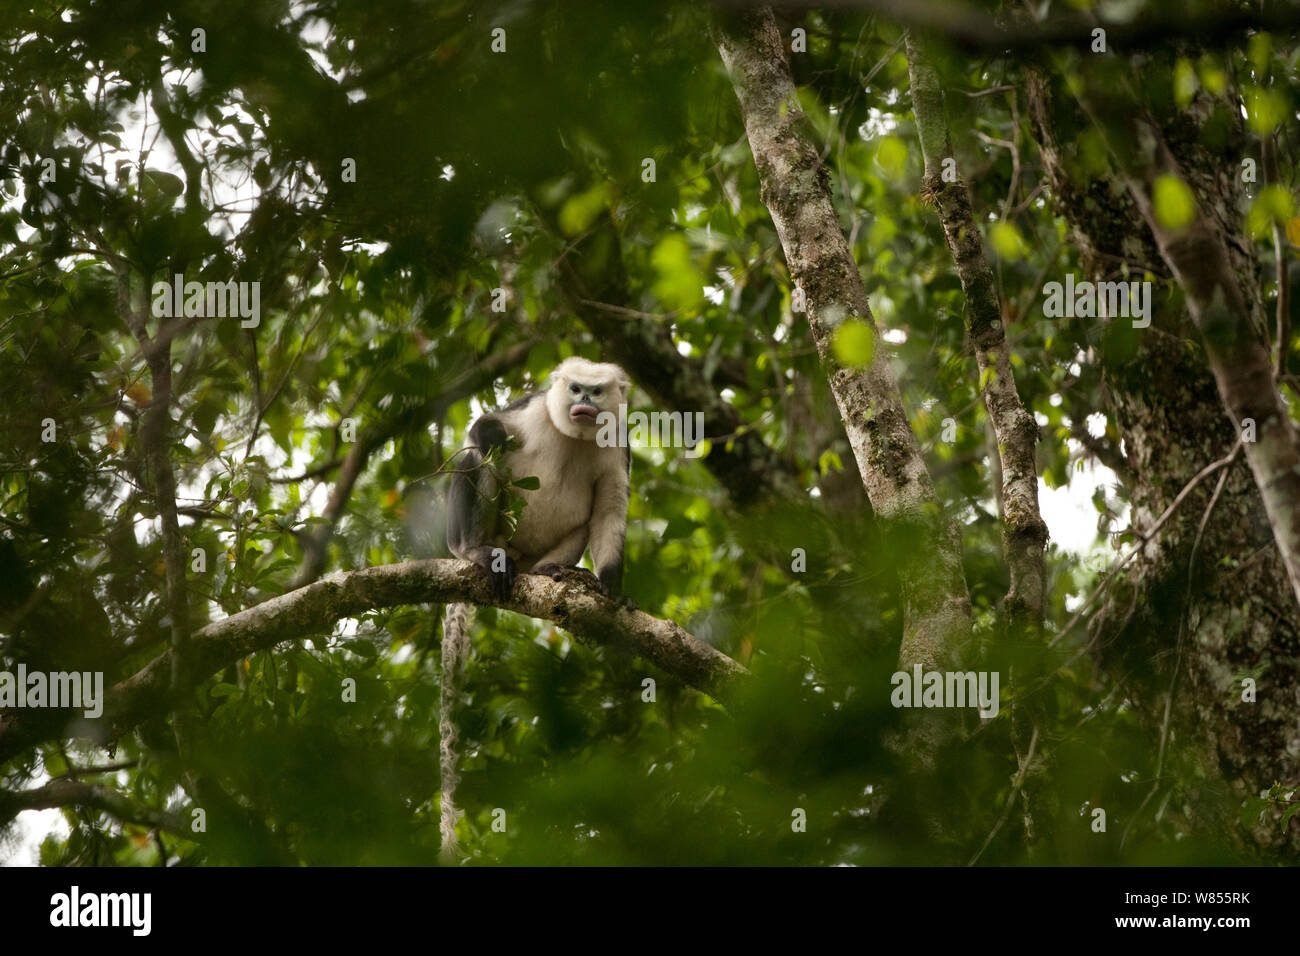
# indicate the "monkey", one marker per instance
pixel 580 502
pixel 582 494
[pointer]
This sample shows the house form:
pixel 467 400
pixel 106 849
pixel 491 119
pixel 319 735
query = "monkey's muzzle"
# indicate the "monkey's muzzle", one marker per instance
pixel 583 414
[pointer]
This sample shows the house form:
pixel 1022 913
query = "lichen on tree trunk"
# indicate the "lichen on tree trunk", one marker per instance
pixel 1233 603
pixel 794 187
pixel 1024 533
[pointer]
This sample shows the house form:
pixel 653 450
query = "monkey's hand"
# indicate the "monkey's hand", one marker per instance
pixel 502 576
pixel 577 575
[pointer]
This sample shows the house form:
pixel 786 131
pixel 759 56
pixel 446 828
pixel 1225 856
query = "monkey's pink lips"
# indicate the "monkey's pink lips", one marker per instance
pixel 583 414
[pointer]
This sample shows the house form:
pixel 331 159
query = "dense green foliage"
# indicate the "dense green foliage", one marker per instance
pixel 475 171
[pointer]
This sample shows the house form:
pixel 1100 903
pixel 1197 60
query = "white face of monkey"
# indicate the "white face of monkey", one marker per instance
pixel 580 391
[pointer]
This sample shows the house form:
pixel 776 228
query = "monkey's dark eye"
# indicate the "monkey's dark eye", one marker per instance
pixel 574 389
pixel 596 392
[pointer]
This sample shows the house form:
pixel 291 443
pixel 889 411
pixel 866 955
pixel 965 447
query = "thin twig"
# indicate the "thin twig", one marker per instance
pixel 1178 654
pixel 1011 798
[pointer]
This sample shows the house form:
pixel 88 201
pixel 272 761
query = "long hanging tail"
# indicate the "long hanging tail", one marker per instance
pixel 455 646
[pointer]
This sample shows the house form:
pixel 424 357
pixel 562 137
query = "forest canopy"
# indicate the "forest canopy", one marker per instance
pixel 986 314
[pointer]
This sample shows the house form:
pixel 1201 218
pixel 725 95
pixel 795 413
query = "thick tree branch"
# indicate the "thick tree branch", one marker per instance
pixel 66 793
pixel 316 608
pixel 1272 175
pixel 968 27
pixel 154 440
pixel 1166 404
pixel 795 191
pixel 1024 533
pixel 1235 341
pixel 174 127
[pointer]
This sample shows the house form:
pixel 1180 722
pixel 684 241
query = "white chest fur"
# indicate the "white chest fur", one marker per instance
pixel 566 470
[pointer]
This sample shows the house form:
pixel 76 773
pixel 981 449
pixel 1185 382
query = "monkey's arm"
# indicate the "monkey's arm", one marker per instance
pixel 609 528
pixel 472 506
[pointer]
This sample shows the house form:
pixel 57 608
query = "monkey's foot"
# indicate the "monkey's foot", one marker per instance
pixel 503 580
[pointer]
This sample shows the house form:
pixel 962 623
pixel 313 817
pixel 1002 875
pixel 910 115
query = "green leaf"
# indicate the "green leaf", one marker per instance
pixel 891 154
pixel 159 190
pixel 1212 76
pixel 1260 48
pixel 854 344
pixel 1251 808
pixel 1175 206
pixel 580 211
pixel 1185 83
pixel 205 417
pixel 1265 109
pixel 1273 204
pixel 1007 241
pixel 680 284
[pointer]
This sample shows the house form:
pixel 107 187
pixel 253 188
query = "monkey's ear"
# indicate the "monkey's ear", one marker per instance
pixel 558 373
pixel 624 383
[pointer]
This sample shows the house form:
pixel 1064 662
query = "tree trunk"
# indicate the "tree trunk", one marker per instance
pixel 794 183
pixel 1233 605
pixel 1024 533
